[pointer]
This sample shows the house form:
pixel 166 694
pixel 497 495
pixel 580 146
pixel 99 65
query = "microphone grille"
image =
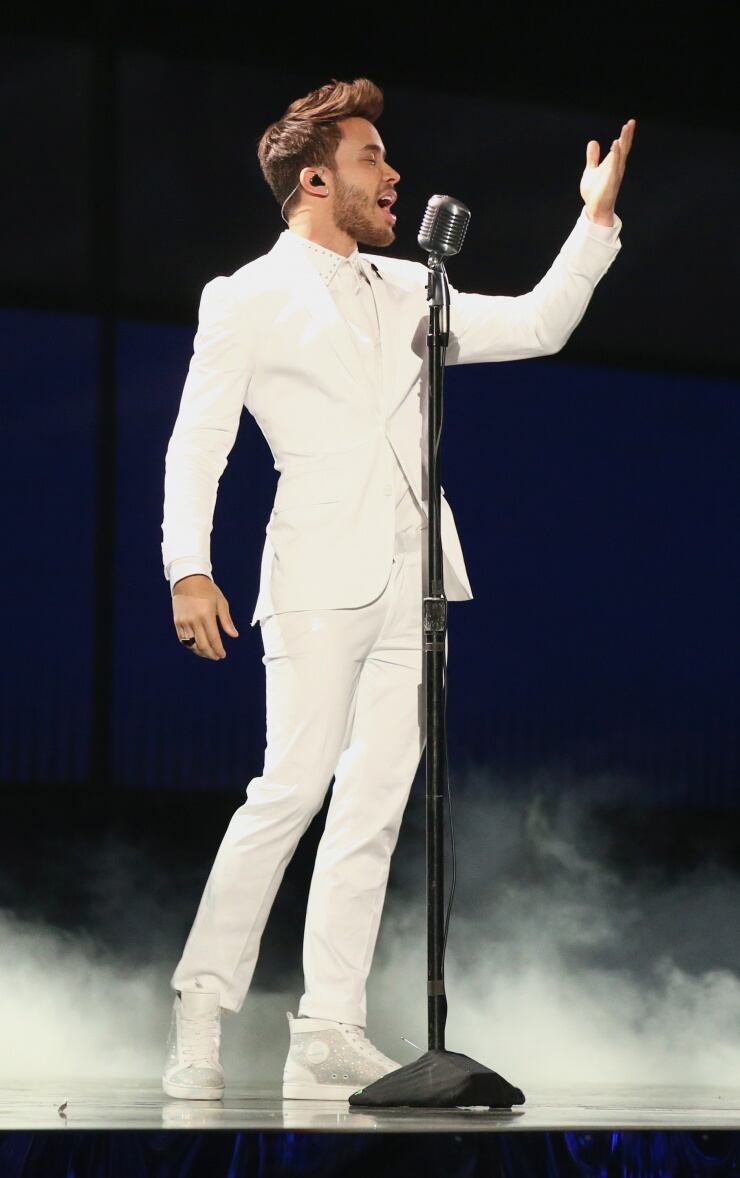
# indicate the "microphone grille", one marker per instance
pixel 444 226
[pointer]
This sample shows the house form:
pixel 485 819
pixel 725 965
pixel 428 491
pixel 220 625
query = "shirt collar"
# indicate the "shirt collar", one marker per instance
pixel 326 261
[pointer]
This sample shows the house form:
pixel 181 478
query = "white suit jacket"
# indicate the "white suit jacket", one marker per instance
pixel 269 337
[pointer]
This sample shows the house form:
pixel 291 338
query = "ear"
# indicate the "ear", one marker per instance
pixel 308 183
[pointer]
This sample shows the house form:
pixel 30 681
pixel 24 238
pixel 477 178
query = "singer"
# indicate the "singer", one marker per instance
pixel 326 347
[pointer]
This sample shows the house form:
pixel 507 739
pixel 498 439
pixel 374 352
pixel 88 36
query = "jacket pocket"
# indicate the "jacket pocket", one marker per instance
pixel 308 487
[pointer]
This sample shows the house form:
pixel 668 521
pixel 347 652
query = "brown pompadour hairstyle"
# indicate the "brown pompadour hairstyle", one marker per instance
pixel 308 133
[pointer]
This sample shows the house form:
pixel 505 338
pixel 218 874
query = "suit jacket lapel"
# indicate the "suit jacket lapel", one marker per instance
pixel 386 301
pixel 311 292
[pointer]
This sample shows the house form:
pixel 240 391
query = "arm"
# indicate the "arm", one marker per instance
pixel 539 323
pixel 202 437
pixel 501 327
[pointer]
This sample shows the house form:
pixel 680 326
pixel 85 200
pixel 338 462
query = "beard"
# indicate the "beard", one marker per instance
pixel 357 215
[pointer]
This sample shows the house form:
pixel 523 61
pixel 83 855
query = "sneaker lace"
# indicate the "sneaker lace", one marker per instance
pixel 200 1041
pixel 356 1035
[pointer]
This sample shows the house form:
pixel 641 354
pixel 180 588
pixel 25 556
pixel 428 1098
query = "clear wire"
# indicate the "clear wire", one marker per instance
pixel 282 207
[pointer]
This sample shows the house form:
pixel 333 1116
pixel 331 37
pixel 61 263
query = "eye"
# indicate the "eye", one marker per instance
pixel 371 159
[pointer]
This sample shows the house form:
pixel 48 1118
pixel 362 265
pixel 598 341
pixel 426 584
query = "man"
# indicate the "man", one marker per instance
pixel 326 347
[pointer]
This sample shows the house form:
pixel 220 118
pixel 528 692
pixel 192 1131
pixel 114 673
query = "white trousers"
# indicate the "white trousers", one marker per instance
pixel 343 699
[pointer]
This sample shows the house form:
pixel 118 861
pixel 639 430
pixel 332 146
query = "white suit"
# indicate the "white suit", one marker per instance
pixel 269 337
pixel 340 592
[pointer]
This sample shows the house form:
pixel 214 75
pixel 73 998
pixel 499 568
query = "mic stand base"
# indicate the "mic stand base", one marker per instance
pixel 439 1079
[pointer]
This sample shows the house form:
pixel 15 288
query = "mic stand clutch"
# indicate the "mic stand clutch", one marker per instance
pixel 439 1078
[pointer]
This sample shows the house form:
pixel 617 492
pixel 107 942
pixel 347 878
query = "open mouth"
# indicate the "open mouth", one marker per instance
pixel 385 204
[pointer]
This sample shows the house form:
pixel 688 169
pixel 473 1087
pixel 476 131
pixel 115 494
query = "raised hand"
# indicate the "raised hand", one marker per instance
pixel 600 182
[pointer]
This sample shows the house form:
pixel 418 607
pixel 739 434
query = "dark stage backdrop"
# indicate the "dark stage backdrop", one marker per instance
pixel 190 201
pixel 598 511
pixel 596 493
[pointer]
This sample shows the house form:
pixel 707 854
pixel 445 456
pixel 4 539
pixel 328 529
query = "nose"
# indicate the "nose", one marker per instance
pixel 391 174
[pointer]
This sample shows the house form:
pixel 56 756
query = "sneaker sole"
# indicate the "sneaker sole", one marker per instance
pixel 292 1091
pixel 190 1092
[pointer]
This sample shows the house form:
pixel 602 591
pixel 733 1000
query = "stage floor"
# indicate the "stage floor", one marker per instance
pixel 143 1106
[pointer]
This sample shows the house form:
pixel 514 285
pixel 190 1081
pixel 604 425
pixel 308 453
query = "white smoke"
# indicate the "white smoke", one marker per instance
pixel 560 970
pixel 561 967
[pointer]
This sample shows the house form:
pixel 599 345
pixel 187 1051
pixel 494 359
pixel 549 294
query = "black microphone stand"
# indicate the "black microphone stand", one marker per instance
pixel 435 642
pixel 439 1078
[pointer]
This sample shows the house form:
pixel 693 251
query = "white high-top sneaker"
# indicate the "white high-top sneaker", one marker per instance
pixel 192 1068
pixel 330 1061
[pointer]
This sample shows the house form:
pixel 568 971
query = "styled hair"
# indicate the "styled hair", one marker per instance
pixel 308 133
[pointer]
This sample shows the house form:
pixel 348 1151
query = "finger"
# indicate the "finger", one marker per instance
pixel 183 632
pixel 615 151
pixel 226 620
pixel 203 641
pixel 620 148
pixel 593 152
pixel 627 135
pixel 213 638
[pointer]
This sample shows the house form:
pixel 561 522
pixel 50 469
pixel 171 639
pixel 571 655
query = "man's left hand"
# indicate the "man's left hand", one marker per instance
pixel 600 182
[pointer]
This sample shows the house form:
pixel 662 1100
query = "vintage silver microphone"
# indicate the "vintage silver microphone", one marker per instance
pixel 444 226
pixel 442 232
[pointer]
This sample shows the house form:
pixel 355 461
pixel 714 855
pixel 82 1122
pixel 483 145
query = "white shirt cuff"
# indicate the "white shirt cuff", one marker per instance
pixel 607 233
pixel 185 566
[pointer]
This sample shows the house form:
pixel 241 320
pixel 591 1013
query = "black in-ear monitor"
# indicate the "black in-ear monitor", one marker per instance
pixel 316 180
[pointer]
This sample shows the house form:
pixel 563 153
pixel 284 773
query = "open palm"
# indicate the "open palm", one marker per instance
pixel 601 181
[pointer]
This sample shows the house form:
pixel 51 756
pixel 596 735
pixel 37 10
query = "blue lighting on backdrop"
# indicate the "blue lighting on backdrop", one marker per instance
pixel 186 1154
pixel 597 515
